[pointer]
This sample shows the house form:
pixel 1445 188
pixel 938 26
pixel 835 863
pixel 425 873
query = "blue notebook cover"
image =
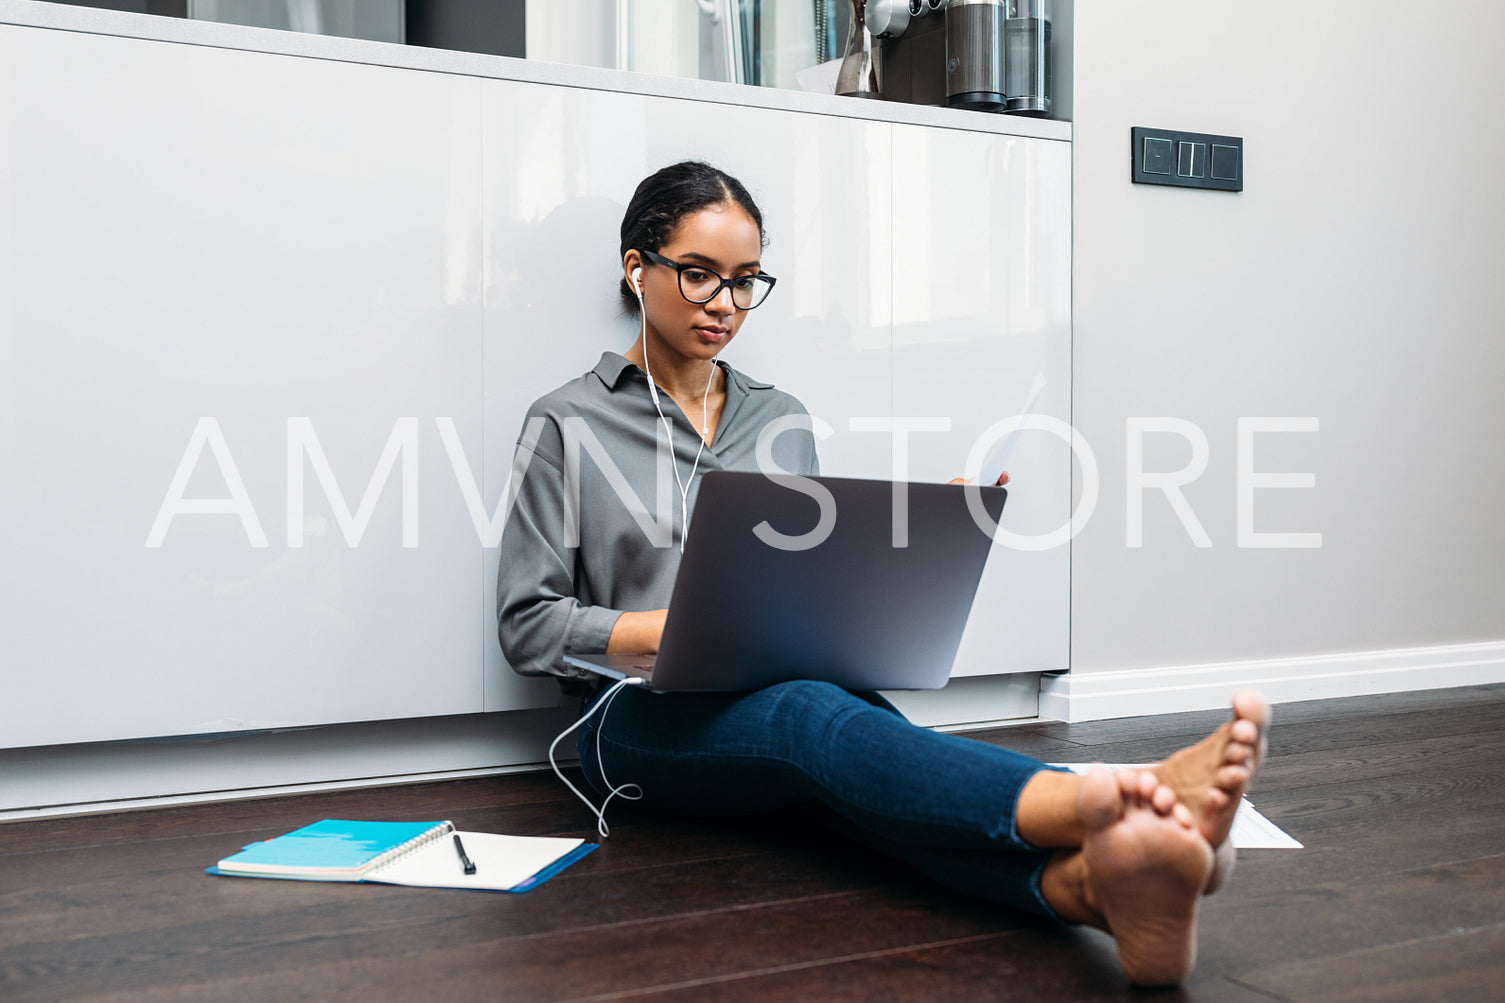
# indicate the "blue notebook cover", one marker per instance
pixel 330 845
pixel 528 884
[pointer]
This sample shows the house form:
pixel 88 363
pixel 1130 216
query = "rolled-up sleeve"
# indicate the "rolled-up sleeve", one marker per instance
pixel 540 615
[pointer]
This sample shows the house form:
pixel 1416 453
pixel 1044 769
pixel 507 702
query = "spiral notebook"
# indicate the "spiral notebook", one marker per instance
pixel 420 854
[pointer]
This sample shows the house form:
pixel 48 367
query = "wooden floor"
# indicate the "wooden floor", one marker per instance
pixel 1399 894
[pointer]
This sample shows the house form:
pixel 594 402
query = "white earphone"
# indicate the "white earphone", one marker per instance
pixel 705 420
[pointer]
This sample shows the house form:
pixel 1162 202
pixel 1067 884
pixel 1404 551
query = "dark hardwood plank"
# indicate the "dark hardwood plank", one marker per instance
pixel 1370 857
pixel 1027 739
pixel 1291 740
pixel 1338 917
pixel 1382 715
pixel 1353 809
pixel 1186 726
pixel 691 948
pixel 1079 966
pixel 1393 703
pixel 1365 761
pixel 1465 966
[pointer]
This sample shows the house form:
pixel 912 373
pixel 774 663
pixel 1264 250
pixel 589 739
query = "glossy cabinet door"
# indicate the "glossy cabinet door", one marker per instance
pixel 269 326
pixel 561 167
pixel 982 309
pixel 256 248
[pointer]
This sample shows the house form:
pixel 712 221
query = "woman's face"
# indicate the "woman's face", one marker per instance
pixel 723 239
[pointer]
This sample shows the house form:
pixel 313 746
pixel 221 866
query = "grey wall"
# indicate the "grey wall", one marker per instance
pixel 1354 280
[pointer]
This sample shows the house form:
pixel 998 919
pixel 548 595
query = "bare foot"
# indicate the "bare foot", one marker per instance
pixel 1146 787
pixel 1210 777
pixel 1145 873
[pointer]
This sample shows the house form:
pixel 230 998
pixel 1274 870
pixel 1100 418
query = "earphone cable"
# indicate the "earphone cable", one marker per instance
pixel 705 419
pixel 629 792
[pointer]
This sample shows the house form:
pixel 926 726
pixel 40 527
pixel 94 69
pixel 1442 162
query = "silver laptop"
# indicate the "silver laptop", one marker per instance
pixel 755 603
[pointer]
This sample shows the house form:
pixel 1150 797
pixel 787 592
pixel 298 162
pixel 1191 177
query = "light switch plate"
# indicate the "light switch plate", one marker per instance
pixel 1187 159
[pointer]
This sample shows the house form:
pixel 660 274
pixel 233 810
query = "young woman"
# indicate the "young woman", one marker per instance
pixel 582 571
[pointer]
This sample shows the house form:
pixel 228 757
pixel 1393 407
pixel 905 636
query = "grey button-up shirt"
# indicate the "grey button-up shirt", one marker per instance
pixel 595 528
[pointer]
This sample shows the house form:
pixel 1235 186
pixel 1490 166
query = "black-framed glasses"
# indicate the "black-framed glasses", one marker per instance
pixel 699 284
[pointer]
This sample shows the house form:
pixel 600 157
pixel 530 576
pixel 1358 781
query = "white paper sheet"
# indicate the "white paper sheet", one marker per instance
pixel 501 861
pixel 1251 830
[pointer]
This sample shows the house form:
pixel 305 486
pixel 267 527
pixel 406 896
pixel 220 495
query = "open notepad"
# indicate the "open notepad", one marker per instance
pixel 421 854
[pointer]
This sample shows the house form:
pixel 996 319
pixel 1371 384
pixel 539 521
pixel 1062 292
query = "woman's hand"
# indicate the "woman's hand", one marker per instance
pixel 637 633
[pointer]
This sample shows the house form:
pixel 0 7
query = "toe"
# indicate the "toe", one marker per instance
pixel 1146 787
pixel 1250 706
pixel 1232 778
pixel 1163 799
pixel 1100 802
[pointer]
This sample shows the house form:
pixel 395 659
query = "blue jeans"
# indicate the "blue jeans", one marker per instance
pixel 941 803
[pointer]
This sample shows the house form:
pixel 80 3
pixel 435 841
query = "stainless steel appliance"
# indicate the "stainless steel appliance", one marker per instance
pixel 974 54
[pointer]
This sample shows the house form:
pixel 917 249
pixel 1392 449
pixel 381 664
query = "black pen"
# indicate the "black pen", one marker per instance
pixel 470 868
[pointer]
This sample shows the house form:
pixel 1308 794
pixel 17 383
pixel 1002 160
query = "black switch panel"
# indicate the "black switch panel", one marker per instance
pixel 1188 159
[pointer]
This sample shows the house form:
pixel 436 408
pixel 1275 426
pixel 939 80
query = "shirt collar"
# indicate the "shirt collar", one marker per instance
pixel 613 367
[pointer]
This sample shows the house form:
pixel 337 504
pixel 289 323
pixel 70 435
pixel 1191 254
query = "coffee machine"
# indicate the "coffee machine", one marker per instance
pixel 986 55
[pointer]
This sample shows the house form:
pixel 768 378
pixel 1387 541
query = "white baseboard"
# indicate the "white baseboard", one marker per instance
pixel 1094 696
pixel 92 777
pixel 972 702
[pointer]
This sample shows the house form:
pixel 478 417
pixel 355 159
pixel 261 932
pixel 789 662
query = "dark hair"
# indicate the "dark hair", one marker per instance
pixel 666 197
